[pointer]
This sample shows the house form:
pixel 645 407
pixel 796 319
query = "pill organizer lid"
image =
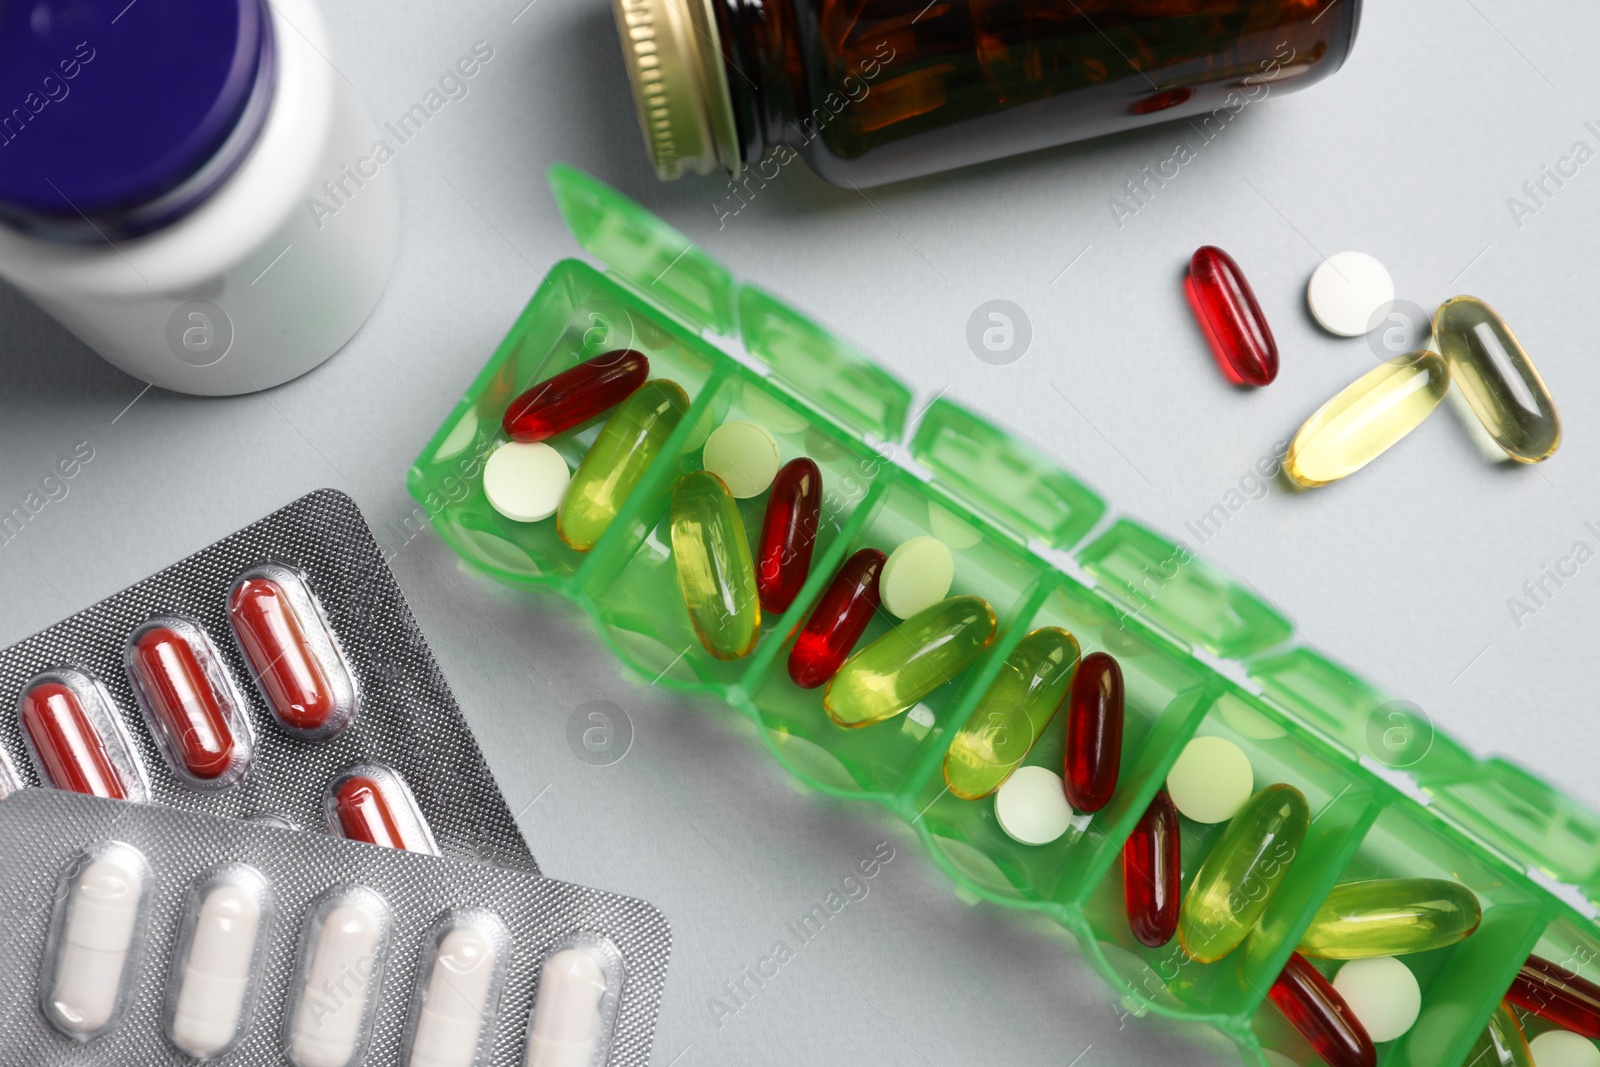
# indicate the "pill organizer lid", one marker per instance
pixel 663 264
pixel 155 88
pixel 677 275
pixel 1005 476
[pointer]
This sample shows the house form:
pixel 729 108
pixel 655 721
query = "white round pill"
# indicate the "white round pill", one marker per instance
pixel 1032 806
pixel 525 481
pixel 1350 294
pixel 916 576
pixel 744 455
pixel 1382 993
pixel 1211 780
pixel 951 530
pixel 1563 1048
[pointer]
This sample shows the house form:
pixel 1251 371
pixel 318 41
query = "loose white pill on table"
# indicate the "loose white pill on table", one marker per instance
pixel 744 455
pixel 525 481
pixel 1350 293
pixel 1382 993
pixel 1211 780
pixel 1563 1048
pixel 916 576
pixel 1032 806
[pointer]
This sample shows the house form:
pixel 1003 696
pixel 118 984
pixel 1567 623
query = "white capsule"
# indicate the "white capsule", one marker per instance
pixel 342 973
pixel 215 977
pixel 568 1018
pixel 96 942
pixel 456 1004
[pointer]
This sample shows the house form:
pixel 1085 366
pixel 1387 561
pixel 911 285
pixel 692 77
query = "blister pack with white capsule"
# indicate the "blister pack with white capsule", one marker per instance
pixel 255 679
pixel 143 934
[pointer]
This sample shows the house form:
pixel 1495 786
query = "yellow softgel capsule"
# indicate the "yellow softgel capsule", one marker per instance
pixel 1230 891
pixel 628 444
pixel 1013 713
pixel 909 662
pixel 1367 418
pixel 1497 379
pixel 716 572
pixel 1390 917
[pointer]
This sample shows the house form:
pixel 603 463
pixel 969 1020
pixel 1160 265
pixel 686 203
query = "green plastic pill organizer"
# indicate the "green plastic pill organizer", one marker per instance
pixel 1201 654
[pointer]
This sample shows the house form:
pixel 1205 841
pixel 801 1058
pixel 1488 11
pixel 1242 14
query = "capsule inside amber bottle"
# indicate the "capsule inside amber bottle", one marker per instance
pixel 1094 733
pixel 1366 419
pixel 1315 1008
pixel 715 572
pixel 788 534
pixel 1498 379
pixel 178 678
pixel 576 395
pixel 291 653
pixel 838 621
pixel 372 803
pixel 74 740
pixel 1231 318
pixel 1151 871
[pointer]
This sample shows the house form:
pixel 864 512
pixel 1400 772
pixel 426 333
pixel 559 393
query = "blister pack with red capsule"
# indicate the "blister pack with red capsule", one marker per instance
pixel 278 675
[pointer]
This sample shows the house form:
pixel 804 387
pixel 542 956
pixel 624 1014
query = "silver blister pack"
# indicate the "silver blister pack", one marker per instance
pixel 258 746
pixel 139 934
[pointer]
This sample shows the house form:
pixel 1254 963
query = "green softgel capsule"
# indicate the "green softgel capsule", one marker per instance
pixel 910 661
pixel 1013 713
pixel 628 444
pixel 1502 1043
pixel 1498 379
pixel 1390 917
pixel 716 572
pixel 1249 860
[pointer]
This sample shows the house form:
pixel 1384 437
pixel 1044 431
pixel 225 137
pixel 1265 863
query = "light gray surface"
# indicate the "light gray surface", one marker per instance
pixel 1410 153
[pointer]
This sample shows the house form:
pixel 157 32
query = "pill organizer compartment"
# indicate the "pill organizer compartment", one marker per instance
pixel 634 585
pixel 1390 795
pixel 891 760
pixel 1572 943
pixel 1229 991
pixel 1462 983
pixel 1164 695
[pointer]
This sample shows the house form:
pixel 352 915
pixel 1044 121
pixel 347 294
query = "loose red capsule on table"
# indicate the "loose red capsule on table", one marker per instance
pixel 838 620
pixel 1231 318
pixel 1152 860
pixel 373 804
pixel 195 719
pixel 1316 1009
pixel 1559 995
pixel 1094 733
pixel 273 638
pixel 72 753
pixel 788 534
pixel 576 395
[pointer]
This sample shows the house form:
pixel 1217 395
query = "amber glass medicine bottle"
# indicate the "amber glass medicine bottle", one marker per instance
pixel 873 91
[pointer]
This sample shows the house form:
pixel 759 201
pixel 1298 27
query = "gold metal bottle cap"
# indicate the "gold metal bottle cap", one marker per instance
pixel 675 64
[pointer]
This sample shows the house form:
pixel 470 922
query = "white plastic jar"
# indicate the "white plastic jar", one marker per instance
pixel 218 259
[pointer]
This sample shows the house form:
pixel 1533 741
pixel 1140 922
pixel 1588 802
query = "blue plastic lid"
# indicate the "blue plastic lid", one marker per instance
pixel 113 113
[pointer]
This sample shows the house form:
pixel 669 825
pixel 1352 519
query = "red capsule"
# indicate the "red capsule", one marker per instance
pixel 196 720
pixel 288 670
pixel 788 534
pixel 372 803
pixel 576 395
pixel 1152 861
pixel 1094 733
pixel 1230 318
pixel 72 753
pixel 837 622
pixel 1559 995
pixel 1316 1009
